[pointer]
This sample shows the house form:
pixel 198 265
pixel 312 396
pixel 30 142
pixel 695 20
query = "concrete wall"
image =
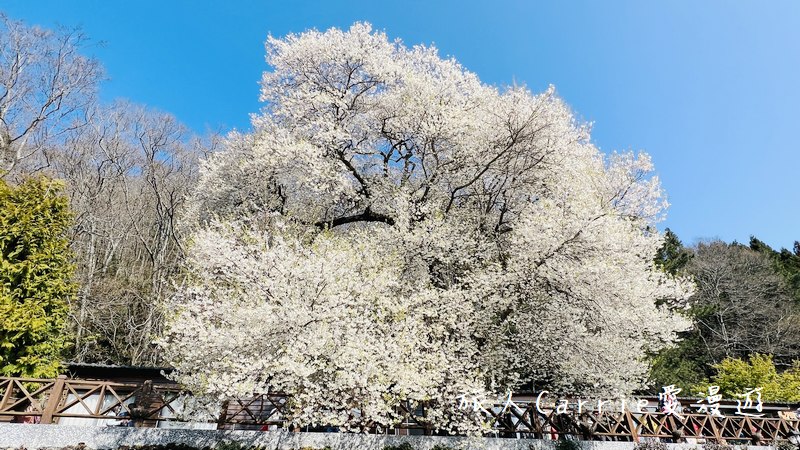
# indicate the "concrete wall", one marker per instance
pixel 34 437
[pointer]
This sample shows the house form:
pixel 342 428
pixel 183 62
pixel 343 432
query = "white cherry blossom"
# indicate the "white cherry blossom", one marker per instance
pixel 394 230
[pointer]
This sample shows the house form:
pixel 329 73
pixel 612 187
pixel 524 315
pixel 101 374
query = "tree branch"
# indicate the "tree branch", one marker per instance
pixel 367 216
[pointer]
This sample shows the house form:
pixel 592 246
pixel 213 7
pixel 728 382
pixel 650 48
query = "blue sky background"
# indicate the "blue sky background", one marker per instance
pixel 710 89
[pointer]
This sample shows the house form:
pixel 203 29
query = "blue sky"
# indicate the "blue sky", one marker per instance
pixel 710 89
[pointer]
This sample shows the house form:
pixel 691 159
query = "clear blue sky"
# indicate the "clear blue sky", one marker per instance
pixel 710 89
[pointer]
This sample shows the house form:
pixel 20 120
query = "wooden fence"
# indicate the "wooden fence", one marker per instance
pixel 47 401
pixel 151 405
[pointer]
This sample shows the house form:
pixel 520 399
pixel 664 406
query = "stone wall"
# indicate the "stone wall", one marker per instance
pixel 34 437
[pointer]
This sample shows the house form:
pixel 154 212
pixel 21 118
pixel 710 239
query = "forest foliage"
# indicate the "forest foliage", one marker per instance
pixel 126 171
pixel 745 315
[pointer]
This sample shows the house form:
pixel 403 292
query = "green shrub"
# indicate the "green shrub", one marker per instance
pixel 736 376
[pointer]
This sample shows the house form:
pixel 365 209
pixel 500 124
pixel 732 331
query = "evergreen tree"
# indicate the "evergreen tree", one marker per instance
pixel 684 365
pixel 35 277
pixel 786 262
pixel 672 257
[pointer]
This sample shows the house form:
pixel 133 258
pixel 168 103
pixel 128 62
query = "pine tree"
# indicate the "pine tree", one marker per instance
pixel 786 262
pixel 672 257
pixel 684 365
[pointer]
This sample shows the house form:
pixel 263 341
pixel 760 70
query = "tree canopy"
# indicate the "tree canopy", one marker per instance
pixel 395 230
pixel 46 88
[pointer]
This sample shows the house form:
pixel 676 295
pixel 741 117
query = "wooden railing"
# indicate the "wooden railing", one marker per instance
pixel 45 401
pixel 148 404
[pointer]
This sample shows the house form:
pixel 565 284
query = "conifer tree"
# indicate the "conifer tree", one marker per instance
pixel 672 257
pixel 786 262
pixel 35 277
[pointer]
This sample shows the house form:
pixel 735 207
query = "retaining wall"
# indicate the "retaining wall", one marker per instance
pixel 31 437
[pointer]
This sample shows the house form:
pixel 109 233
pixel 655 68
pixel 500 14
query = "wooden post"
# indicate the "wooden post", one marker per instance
pixel 53 400
pixel 223 415
pixel 6 394
pixel 632 426
pixel 717 432
pixel 675 428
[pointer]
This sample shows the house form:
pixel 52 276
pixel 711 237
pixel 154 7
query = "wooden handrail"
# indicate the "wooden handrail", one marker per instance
pixel 71 398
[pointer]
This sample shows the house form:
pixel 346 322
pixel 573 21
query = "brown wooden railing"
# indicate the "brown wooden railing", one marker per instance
pixel 147 405
pixel 45 401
